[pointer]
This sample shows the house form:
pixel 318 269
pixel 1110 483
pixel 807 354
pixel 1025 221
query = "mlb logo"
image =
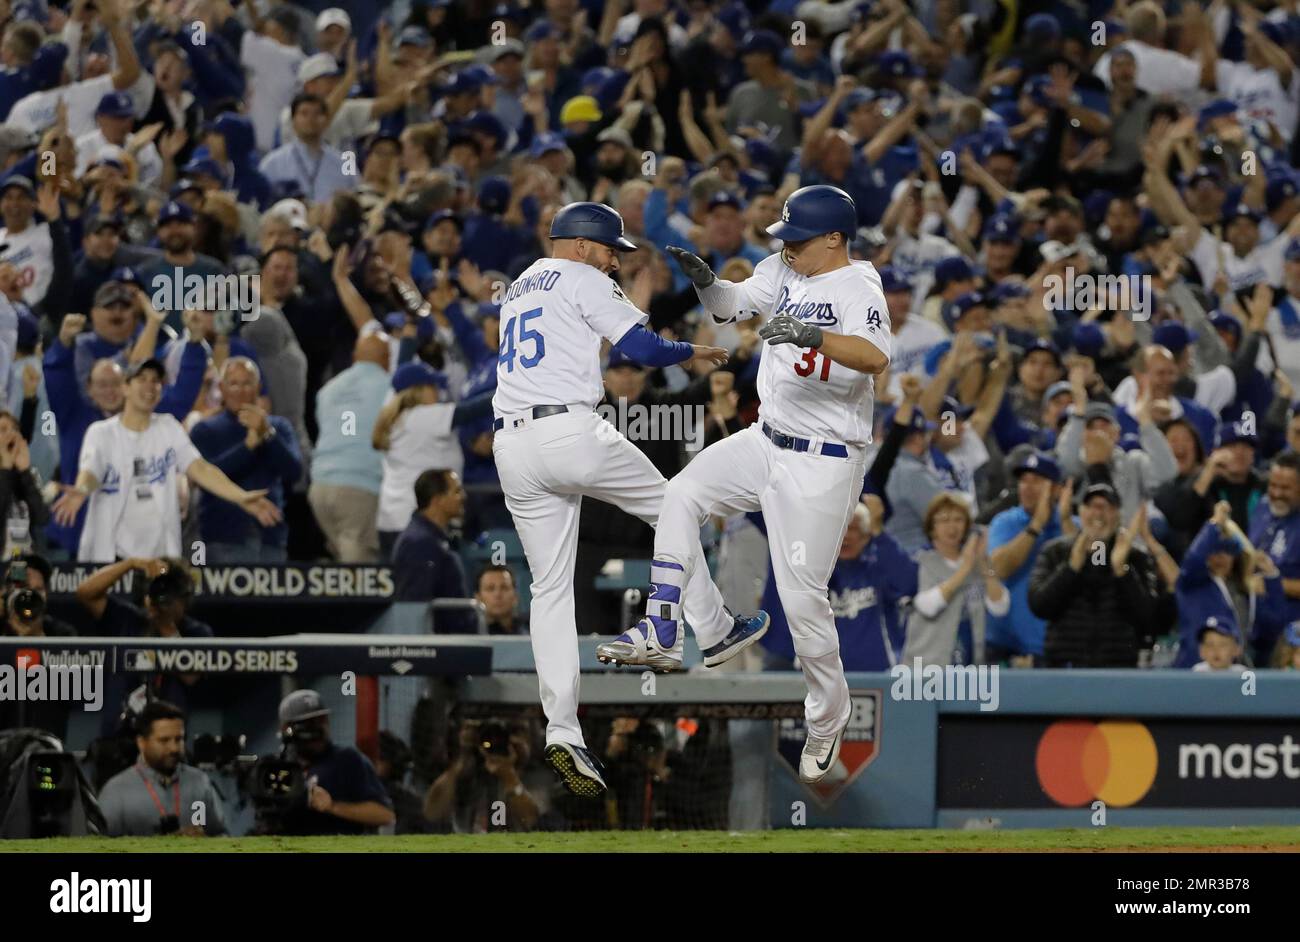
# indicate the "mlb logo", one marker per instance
pixel 139 659
pixel 859 749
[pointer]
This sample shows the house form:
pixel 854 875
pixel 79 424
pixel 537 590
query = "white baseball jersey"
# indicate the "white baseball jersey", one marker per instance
pixel 135 511
pixel 802 392
pixel 1262 263
pixel 553 318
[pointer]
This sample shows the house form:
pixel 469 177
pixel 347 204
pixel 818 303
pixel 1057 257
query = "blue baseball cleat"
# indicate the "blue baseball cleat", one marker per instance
pixel 652 642
pixel 745 632
pixel 578 769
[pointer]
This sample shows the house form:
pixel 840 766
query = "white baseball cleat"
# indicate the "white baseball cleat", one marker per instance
pixel 652 642
pixel 819 756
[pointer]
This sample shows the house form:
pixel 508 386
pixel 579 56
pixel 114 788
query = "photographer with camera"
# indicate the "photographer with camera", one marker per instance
pixel 343 792
pixel 26 589
pixel 22 508
pixel 168 590
pixel 160 794
pixel 487 768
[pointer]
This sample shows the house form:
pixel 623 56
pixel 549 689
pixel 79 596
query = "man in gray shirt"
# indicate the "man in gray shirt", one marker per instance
pixel 160 794
pixel 771 97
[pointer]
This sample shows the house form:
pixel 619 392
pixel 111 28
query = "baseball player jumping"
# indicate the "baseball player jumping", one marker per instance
pixel 552 449
pixel 802 463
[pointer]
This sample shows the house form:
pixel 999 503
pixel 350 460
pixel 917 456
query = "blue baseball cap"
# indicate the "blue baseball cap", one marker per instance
pixel 417 373
pixel 542 29
pixel 953 268
pixel 1039 463
pixel 494 194
pixel 1001 228
pixel 594 77
pixel 1230 433
pixel 1173 336
pixel 444 215
pixel 1213 624
pixel 1226 322
pixel 546 143
pixel 1205 172
pixel 174 211
pixel 1007 291
pixel 1088 338
pixel 1220 108
pixel 485 122
pixel 1241 211
pixel 205 166
pixel 1279 190
pixel 893 279
pixel 726 198
pixel 735 17
pixel 762 40
pixel 918 422
pixel 115 105
pixel 1042 27
pixel 898 64
pixel 414 36
pixel 953 406
pixel 960 306
pixel 1043 345
pixel 1056 389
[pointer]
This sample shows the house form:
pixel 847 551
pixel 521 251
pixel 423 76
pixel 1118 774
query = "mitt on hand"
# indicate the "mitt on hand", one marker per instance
pixel 696 268
pixel 786 329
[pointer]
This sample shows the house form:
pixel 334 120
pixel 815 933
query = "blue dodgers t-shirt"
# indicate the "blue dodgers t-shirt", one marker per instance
pixel 349 777
pixel 866 596
pixel 1019 629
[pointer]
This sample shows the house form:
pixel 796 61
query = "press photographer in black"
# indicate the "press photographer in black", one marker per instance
pixel 164 613
pixel 344 793
pixel 26 589
pixel 161 794
pixel 26 579
pixel 491 760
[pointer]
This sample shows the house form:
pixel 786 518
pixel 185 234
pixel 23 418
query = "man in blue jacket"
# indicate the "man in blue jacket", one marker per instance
pixel 1275 530
pixel 256 451
pixel 425 567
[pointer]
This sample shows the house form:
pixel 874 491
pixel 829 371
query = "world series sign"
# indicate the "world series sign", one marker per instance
pixel 859 749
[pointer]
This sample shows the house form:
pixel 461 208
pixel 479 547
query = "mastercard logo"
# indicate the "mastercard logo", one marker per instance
pixel 1079 760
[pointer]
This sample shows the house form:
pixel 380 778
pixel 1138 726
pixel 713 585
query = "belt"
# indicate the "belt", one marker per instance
pixel 830 449
pixel 537 412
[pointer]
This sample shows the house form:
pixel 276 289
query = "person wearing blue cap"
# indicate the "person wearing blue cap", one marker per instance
pixel 1016 537
pixel 317 168
pixel 114 119
pixel 1275 531
pixel 913 481
pixel 163 278
pixel 1265 82
pixel 25 243
pixel 914 336
pixel 1218 645
pixel 1215 584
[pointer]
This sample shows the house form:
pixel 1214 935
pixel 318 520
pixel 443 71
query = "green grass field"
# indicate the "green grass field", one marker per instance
pixel 777 842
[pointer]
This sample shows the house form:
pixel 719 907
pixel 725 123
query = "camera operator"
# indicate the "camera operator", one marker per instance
pixel 344 793
pixel 26 580
pixel 167 594
pixel 489 759
pixel 26 589
pixel 160 794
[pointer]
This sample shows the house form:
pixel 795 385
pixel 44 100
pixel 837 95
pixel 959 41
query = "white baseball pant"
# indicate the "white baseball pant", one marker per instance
pixel 807 501
pixel 546 467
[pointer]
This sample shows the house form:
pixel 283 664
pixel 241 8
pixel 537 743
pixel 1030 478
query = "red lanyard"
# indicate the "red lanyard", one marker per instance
pixel 162 812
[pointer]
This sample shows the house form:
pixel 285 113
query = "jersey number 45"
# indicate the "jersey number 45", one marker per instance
pixel 510 345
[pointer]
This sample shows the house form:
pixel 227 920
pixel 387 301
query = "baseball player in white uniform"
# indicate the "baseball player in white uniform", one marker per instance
pixel 802 463
pixel 552 448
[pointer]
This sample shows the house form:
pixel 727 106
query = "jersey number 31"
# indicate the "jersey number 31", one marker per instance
pixel 806 366
pixel 509 344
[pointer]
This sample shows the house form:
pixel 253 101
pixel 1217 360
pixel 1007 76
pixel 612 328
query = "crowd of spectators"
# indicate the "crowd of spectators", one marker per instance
pixel 1086 220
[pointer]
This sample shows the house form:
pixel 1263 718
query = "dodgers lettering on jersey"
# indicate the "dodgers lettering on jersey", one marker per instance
pixel 802 392
pixel 552 322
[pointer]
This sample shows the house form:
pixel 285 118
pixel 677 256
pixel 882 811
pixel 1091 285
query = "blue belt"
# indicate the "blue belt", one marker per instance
pixel 830 450
pixel 538 412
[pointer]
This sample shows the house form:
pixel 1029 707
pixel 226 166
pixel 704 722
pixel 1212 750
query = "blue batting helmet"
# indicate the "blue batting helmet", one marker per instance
pixel 816 210
pixel 593 221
